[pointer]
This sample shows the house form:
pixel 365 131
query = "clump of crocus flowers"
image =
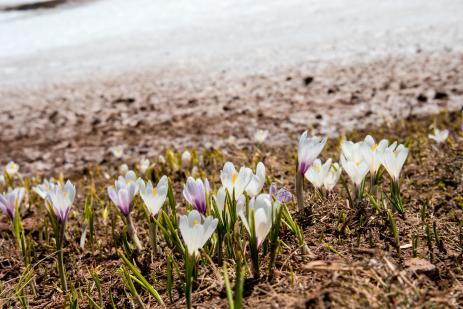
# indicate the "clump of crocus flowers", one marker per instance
pixel 239 216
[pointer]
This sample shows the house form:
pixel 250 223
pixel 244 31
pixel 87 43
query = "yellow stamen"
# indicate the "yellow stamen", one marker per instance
pixel 154 192
pixel 234 177
pixel 374 147
pixel 195 222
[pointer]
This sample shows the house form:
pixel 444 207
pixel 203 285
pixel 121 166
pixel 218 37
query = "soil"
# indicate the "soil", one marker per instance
pixel 65 126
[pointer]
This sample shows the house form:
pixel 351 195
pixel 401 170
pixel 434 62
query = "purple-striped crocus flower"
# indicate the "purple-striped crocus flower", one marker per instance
pixel 282 195
pixel 61 199
pixel 308 150
pixel 122 193
pixel 194 192
pixel 10 200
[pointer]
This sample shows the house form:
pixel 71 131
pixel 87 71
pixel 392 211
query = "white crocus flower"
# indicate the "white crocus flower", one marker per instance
pixel 12 168
pixel 45 187
pixel 186 158
pixel 153 198
pixel 371 153
pixel 264 213
pixel 123 169
pixel 118 151
pixel 129 178
pixel 220 199
pixel 332 176
pixel 317 172
pixel 123 192
pixel 61 199
pixel 308 150
pixel 234 181
pixel 393 159
pixel 10 200
pixel 257 181
pixel 196 231
pixel 162 159
pixel 144 165
pixel 439 136
pixel 353 163
pixel 260 136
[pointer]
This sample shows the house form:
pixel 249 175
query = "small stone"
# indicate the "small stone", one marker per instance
pixel 420 266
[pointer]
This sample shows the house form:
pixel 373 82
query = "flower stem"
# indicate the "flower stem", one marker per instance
pixel 61 267
pixel 396 199
pixel 190 264
pixel 299 190
pixel 153 231
pixel 133 233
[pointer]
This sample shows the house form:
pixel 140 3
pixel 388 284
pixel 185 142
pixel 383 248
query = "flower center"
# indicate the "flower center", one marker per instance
pixel 234 178
pixel 154 192
pixel 374 147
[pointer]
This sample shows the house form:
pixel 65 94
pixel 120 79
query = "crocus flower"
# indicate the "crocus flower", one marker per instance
pixel 332 177
pixel 264 212
pixel 439 136
pixel 45 187
pixel 220 199
pixel 154 198
pixel 196 231
pixel 260 136
pixel 118 151
pixel 233 181
pixel 308 150
pixel 186 158
pixel 12 168
pixel 371 153
pixel 61 199
pixel 282 195
pixel 123 192
pixel 123 169
pixel 257 181
pixel 393 160
pixel 317 172
pixel 353 163
pixel 129 178
pixel 194 192
pixel 144 165
pixel 10 200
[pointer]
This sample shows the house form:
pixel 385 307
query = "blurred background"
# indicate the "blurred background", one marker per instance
pixel 78 77
pixel 60 39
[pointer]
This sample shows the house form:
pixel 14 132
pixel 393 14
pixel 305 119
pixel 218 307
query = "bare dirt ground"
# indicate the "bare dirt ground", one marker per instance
pixel 66 126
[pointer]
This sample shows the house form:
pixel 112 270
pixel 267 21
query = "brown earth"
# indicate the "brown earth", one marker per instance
pixel 66 126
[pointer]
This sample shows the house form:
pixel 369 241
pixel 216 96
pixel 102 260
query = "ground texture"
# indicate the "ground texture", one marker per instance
pixel 66 126
pixel 353 262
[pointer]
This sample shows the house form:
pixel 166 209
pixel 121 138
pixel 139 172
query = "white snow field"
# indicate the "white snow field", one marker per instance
pixel 85 39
